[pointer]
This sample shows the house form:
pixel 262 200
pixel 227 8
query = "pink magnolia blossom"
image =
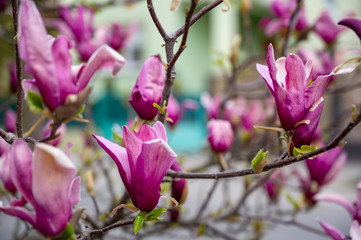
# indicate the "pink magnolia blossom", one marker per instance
pixel 78 26
pixel 299 105
pixel 220 135
pixel 282 12
pixel 148 88
pixel 142 163
pixel 10 121
pixel 46 180
pixel 48 60
pixel 326 28
pixel 254 114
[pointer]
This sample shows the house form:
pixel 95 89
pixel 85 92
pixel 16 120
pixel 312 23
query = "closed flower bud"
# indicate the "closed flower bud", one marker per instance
pixel 220 135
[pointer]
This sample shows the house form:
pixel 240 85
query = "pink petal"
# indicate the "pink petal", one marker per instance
pixel 336 168
pixel 74 191
pixel 19 212
pixel 355 231
pixel 160 131
pixel 333 232
pixel 120 157
pixel 5 172
pixel 336 198
pixel 263 70
pixel 153 163
pixel 133 146
pixel 29 85
pixel 353 23
pixel 103 57
pixel 21 169
pixel 53 174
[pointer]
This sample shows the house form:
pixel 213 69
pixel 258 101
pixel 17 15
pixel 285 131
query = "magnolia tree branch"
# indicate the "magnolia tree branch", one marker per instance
pixel 278 163
pixel 19 91
pixel 10 137
pixel 291 27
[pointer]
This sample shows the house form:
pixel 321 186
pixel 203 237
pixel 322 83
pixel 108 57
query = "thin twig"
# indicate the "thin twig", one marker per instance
pixel 155 19
pixel 101 231
pixel 10 137
pixel 278 163
pixel 19 91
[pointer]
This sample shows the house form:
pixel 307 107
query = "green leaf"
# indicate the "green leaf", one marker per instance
pixel 165 186
pixel 117 137
pixel 257 159
pixel 35 101
pixel 154 214
pixel 68 233
pixel 157 106
pixel 304 149
pixel 80 111
pixel 138 223
pixel 293 201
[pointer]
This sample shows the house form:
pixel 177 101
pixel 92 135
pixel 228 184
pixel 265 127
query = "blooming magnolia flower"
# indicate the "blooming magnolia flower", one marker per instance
pixel 179 190
pixel 220 135
pixel 282 11
pixel 46 180
pixel 48 60
pixel 78 26
pixel 148 88
pixel 326 28
pixel 47 131
pixel 10 121
pixel 299 104
pixel 142 163
pixel 353 23
pixel 353 209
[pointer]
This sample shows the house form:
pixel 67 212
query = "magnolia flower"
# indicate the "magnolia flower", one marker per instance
pixel 282 11
pixel 335 234
pixel 353 23
pixel 142 163
pixel 46 180
pixel 234 110
pixel 78 26
pixel 326 28
pixel 148 88
pixel 10 121
pixel 179 190
pixel 60 131
pixel 3 4
pixel 299 102
pixel 220 135
pixel 255 113
pixel 353 209
pixel 176 111
pixel 48 60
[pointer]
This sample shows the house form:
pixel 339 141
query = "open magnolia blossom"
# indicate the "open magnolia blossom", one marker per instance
pixel 326 28
pixel 77 25
pixel 142 163
pixel 48 60
pixel 46 180
pixel 298 98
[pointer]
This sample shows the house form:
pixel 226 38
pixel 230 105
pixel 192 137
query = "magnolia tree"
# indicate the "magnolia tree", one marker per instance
pixel 253 132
